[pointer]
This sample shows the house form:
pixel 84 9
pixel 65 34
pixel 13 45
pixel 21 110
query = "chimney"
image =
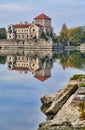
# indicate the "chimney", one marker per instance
pixel 25 22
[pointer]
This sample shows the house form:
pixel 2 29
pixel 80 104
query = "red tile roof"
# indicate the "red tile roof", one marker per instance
pixel 20 68
pixel 21 25
pixel 39 25
pixel 42 16
pixel 42 78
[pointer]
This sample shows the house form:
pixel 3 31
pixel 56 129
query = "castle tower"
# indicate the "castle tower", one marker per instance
pixel 45 21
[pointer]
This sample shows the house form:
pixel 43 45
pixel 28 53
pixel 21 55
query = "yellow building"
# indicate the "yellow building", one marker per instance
pixel 22 31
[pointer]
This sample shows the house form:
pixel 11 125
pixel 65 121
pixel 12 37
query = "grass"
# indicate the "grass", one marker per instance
pixel 82 85
pixel 77 77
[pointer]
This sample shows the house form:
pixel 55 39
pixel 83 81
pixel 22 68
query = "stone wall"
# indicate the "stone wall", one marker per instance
pixel 40 44
pixel 29 44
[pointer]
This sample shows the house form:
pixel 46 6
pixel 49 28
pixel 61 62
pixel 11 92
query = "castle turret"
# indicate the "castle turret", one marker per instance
pixel 45 21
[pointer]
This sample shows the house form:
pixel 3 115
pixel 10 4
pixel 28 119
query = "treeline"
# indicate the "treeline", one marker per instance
pixel 3 34
pixel 2 59
pixel 74 36
pixel 75 59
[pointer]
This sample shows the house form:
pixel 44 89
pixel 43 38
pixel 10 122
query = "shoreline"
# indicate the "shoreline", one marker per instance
pixel 38 44
pixel 30 44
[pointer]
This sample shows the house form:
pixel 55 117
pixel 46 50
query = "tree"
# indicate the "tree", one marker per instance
pixel 64 28
pixel 75 36
pixel 3 33
pixel 63 34
pixel 2 59
pixel 74 60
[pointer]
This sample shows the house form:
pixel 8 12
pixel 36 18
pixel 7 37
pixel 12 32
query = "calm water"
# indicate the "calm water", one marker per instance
pixel 25 76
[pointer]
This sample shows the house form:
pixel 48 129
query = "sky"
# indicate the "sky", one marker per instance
pixel 71 12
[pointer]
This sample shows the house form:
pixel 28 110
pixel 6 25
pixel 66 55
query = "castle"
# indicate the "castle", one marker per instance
pixel 41 70
pixel 40 25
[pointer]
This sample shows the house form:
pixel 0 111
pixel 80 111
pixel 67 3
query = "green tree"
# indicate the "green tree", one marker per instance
pixel 75 36
pixel 74 60
pixel 3 33
pixel 83 40
pixel 2 59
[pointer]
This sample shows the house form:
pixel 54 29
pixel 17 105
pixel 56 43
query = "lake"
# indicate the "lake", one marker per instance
pixel 26 76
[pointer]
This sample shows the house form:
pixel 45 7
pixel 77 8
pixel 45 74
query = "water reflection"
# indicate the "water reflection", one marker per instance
pixel 40 63
pixel 20 93
pixel 41 68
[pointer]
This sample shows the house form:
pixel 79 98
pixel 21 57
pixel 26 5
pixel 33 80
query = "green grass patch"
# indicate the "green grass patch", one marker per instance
pixel 77 77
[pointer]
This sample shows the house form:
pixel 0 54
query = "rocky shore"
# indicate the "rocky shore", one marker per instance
pixel 65 110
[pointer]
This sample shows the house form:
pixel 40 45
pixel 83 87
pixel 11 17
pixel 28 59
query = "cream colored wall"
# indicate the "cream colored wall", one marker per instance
pixel 22 58
pixel 33 64
pixel 47 23
pixel 34 31
pixel 43 22
pixel 21 61
pixel 22 30
pixel 38 21
pixel 11 59
pixel 22 33
pixel 22 36
pixel 45 71
pixel 21 64
pixel 28 33
pixel 11 35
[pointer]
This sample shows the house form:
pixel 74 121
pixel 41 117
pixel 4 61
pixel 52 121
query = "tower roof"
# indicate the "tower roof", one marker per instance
pixel 42 78
pixel 42 16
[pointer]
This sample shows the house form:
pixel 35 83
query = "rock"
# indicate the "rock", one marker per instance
pixel 54 126
pixel 59 101
pixel 47 101
pixel 65 110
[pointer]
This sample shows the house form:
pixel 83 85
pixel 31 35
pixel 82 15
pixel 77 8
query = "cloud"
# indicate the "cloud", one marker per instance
pixel 14 7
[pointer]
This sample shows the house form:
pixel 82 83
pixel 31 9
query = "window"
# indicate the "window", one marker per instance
pixel 18 36
pixel 18 58
pixel 22 58
pixel 22 36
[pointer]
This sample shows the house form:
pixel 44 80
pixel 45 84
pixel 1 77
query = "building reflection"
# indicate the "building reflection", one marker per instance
pixel 38 62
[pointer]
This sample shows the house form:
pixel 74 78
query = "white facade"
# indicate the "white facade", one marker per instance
pixel 41 24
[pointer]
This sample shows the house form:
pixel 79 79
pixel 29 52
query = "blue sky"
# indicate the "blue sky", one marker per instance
pixel 71 12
